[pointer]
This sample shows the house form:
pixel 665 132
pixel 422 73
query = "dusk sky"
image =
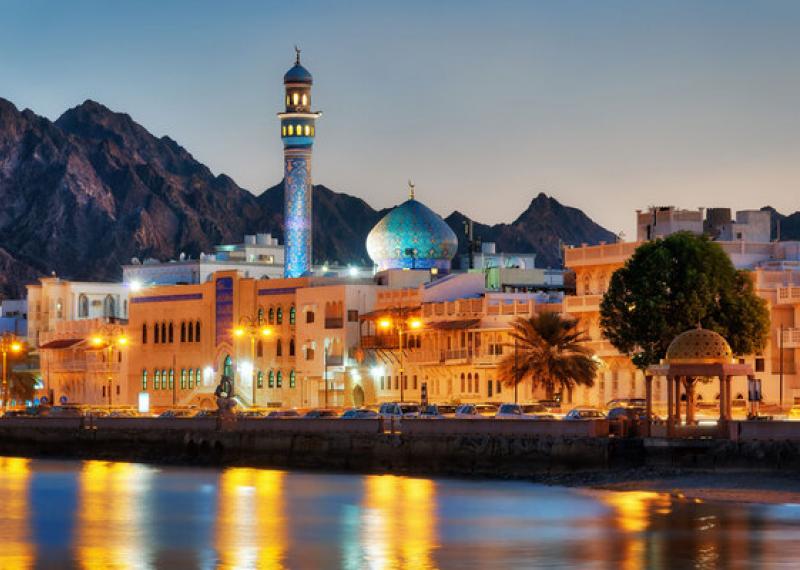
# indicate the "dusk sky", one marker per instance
pixel 607 106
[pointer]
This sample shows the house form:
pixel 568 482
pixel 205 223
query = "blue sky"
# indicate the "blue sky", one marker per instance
pixel 608 106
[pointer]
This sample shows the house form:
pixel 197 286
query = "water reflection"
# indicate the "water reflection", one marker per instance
pixel 111 530
pixel 251 525
pixel 16 550
pixel 99 514
pixel 399 522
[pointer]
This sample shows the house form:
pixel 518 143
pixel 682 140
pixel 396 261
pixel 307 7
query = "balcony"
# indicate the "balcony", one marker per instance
pixel 334 322
pixel 606 254
pixel 384 341
pixel 582 303
pixel 788 295
pixel 791 338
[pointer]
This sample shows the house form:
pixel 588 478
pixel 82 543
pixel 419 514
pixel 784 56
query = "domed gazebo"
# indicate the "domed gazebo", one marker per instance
pixel 694 354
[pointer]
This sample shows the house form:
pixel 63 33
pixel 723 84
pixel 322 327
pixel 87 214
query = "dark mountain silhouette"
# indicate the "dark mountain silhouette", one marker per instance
pixel 88 192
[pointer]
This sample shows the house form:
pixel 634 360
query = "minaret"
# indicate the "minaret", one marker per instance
pixel 297 133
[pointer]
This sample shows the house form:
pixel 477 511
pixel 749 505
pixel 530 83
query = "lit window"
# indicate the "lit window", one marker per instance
pixel 271 379
pixel 292 380
pixel 183 379
pixel 305 99
pixel 312 130
pixel 191 378
pixel 307 130
pixel 283 130
pixel 144 379
pixel 287 99
pixel 260 382
pixel 291 130
pixel 294 98
pixel 279 380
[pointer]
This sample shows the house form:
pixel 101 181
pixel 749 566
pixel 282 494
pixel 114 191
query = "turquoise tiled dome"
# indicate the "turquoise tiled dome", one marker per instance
pixel 412 236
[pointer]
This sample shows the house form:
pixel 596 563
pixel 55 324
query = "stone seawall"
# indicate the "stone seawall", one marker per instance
pixel 472 448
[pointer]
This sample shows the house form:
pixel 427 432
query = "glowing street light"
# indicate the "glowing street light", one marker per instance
pixel 107 338
pixel 252 328
pixel 8 343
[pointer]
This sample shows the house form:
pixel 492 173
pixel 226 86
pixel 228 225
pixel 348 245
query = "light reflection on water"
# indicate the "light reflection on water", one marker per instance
pixel 97 514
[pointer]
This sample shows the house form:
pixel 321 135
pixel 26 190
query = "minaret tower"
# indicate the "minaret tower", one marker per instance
pixel 297 133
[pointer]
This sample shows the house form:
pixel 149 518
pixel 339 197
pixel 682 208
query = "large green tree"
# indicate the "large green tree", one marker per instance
pixel 547 349
pixel 676 283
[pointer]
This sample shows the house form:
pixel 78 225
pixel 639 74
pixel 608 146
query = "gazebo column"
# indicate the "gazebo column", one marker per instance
pixel 648 395
pixel 723 399
pixel 670 403
pixel 678 400
pixel 729 397
pixel 689 380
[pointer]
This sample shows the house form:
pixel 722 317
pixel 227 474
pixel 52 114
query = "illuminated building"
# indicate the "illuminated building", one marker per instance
pixel 297 134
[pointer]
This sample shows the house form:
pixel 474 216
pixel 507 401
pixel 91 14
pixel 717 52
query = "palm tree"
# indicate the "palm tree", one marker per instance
pixel 547 349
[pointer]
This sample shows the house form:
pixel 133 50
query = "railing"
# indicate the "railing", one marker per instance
pixel 580 303
pixel 788 295
pixel 791 338
pixel 388 341
pixel 334 322
pixel 608 253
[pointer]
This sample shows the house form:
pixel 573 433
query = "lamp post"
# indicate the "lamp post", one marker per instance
pixel 8 343
pixel 400 325
pixel 252 328
pixel 106 339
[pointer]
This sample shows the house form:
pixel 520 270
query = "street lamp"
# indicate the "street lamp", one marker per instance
pixel 8 343
pixel 106 339
pixel 252 328
pixel 386 323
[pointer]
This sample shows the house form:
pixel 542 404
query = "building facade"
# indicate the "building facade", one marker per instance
pixel 773 267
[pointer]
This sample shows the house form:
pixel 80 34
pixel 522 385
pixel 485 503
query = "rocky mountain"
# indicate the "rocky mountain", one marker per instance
pixel 89 191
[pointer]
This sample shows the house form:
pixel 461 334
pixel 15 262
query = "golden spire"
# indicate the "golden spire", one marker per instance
pixel 410 189
pixel 297 51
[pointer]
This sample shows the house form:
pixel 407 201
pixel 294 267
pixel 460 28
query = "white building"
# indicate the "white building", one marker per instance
pixel 260 256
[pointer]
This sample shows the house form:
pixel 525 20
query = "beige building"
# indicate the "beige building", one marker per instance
pixel 775 268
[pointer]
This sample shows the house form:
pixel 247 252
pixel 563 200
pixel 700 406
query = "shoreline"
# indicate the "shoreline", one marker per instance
pixel 767 487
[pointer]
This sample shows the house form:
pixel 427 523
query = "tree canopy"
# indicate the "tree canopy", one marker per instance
pixel 676 283
pixel 548 351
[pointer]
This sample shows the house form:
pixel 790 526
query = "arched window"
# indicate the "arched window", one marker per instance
pixel 156 380
pixel 171 378
pixel 191 379
pixel 463 384
pixel 171 333
pixel 283 128
pixel 197 331
pixel 259 349
pixel 279 316
pixel 271 315
pixel 189 332
pixel 291 347
pixel 144 333
pixel 305 99
pixel 295 98
pixel 183 379
pixel 292 315
pixel 183 331
pixel 156 336
pixel 144 380
pixel 279 379
pixel 287 100
pixel 261 315
pixel 278 348
pixel 260 380
pixel 83 306
pixel 291 379
pixel 108 306
pixel 307 130
pixel 291 130
pixel 271 379
pixel 197 377
pixel 164 332
pixel 312 130
pixel 477 382
pixel 227 367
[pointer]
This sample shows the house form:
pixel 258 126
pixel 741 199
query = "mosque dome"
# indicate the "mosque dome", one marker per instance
pixel 699 346
pixel 298 74
pixel 412 236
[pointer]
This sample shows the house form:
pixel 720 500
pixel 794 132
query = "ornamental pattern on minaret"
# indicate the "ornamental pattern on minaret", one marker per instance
pixel 298 129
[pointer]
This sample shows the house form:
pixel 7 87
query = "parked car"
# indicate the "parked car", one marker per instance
pixel 626 403
pixel 475 411
pixel 437 411
pixel 283 414
pixel 359 414
pixel 523 412
pixel 65 411
pixel 398 410
pixel 321 414
pixel 585 413
pixel 177 414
